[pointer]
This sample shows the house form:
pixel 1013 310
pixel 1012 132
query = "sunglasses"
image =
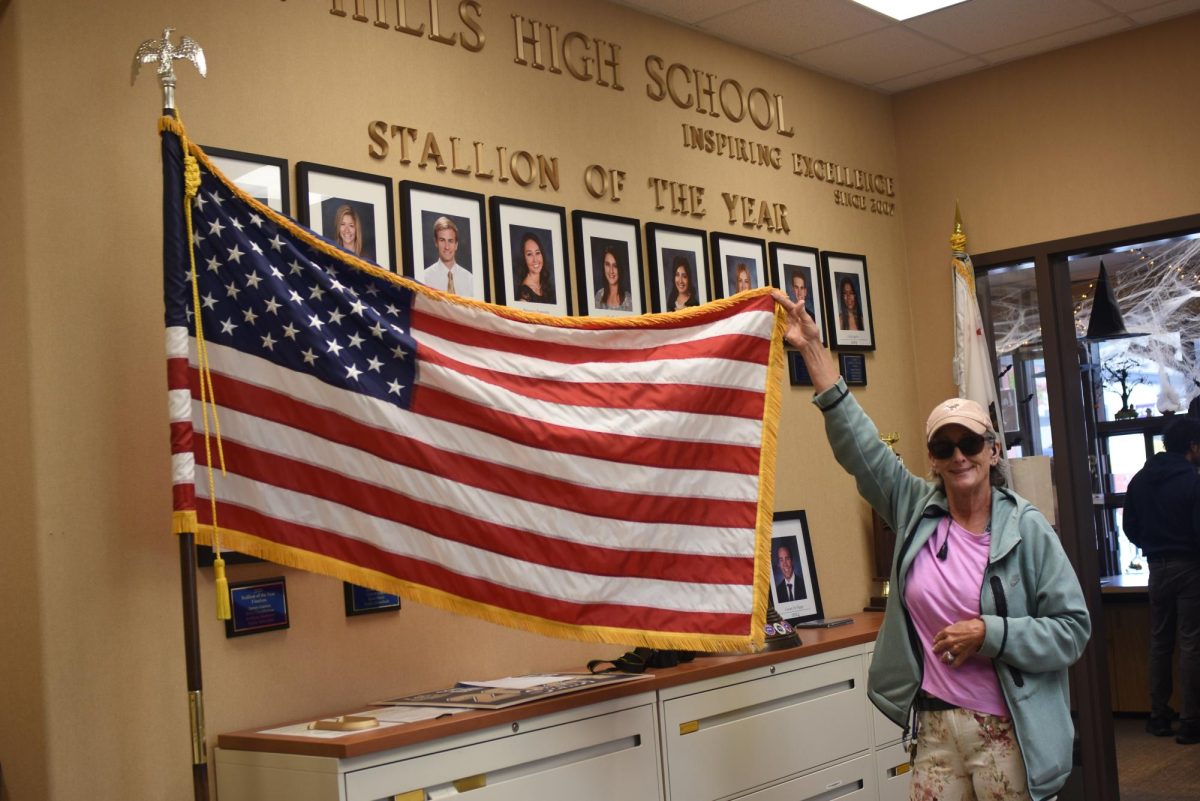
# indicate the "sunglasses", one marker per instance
pixel 970 445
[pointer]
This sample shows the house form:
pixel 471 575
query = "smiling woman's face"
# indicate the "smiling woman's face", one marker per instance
pixel 533 257
pixel 610 269
pixel 347 230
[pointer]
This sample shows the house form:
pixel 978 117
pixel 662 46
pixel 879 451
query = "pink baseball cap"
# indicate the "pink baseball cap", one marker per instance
pixel 958 411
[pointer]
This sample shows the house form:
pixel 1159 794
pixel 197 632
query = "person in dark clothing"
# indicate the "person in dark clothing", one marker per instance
pixel 1162 517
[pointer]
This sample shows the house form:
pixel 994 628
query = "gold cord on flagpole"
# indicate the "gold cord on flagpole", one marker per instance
pixel 191 179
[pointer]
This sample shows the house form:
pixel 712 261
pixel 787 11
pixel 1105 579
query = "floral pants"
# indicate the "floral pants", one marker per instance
pixel 967 756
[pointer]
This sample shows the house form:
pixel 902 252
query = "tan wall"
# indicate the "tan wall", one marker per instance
pixel 93 694
pixel 1094 137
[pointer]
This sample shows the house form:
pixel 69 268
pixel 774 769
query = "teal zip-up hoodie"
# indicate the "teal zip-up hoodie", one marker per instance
pixel 1032 606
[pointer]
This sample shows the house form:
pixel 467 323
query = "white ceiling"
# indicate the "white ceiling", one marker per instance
pixel 842 39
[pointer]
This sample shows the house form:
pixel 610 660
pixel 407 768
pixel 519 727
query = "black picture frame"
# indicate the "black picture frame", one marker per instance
pixel 512 220
pixel 359 600
pixel 854 369
pixel 324 193
pixel 257 606
pixel 425 207
pixel 797 370
pixel 264 178
pixel 847 268
pixel 732 252
pixel 666 247
pixel 599 239
pixel 789 532
pixel 791 261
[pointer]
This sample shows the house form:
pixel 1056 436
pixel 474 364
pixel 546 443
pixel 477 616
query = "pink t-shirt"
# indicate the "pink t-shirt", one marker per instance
pixel 943 591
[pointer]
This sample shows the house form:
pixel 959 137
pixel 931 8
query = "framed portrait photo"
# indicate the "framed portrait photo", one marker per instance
pixel 848 301
pixel 529 254
pixel 444 239
pixel 608 265
pixel 794 589
pixel 678 259
pixel 264 178
pixel 353 210
pixel 794 269
pixel 738 263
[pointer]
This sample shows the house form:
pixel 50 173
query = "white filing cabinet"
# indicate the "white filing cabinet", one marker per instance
pixel 594 753
pixel 891 753
pixel 793 730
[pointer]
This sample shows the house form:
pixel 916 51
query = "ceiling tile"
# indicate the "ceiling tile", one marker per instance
pixel 878 56
pixel 1053 42
pixel 983 25
pixel 945 71
pixel 1165 11
pixel 793 26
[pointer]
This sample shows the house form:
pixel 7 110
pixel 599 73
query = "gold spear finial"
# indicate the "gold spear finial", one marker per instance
pixel 958 239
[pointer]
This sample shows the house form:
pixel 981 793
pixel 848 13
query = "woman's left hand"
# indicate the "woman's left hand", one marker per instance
pixel 959 641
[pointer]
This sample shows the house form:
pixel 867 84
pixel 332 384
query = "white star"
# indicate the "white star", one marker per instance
pixel 297 267
pixel 374 364
pixel 237 224
pixel 254 218
pixel 272 306
pixel 276 243
pixel 190 314
pixel 335 316
pixel 358 307
pixel 215 227
pixel 198 201
pixel 353 372
pixel 213 264
pixel 316 292
pixel 275 271
pixel 397 329
pixel 315 322
pixel 268 342
pixel 253 280
pixel 290 331
pixel 356 341
pixel 227 326
pixel 254 246
pixel 231 290
pixel 399 352
pixel 196 239
pixel 249 316
pixel 294 297
pixel 216 198
pixel 378 330
pixel 395 387
pixel 335 284
pixel 309 356
pixel 392 310
pixel 372 290
pixel 334 347
pixel 235 254
pixel 209 301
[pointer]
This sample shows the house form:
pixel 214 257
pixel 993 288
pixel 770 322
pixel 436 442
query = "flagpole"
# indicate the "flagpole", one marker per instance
pixel 164 53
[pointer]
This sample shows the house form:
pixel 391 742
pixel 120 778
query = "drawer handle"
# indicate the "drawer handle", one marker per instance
pixel 691 727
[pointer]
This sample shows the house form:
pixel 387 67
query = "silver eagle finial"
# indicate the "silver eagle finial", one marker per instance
pixel 166 54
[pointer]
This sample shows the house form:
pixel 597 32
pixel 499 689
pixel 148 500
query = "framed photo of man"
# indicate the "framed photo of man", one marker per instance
pixel 794 269
pixel 851 323
pixel 529 251
pixel 794 590
pixel 264 178
pixel 739 264
pixel 608 265
pixel 444 239
pixel 353 210
pixel 678 259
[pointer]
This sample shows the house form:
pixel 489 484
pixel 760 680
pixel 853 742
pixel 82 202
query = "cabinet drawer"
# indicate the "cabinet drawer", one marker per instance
pixel 893 772
pixel 885 730
pixel 594 759
pixel 727 740
pixel 849 781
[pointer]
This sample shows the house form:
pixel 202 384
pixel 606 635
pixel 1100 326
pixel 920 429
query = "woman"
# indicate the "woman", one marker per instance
pixel 534 284
pixel 849 312
pixel 614 294
pixel 683 289
pixel 347 229
pixel 986 613
pixel 743 278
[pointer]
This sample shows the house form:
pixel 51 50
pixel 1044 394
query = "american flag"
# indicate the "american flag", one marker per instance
pixel 597 479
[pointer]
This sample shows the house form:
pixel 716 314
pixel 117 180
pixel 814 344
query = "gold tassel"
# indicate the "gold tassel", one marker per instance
pixel 222 589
